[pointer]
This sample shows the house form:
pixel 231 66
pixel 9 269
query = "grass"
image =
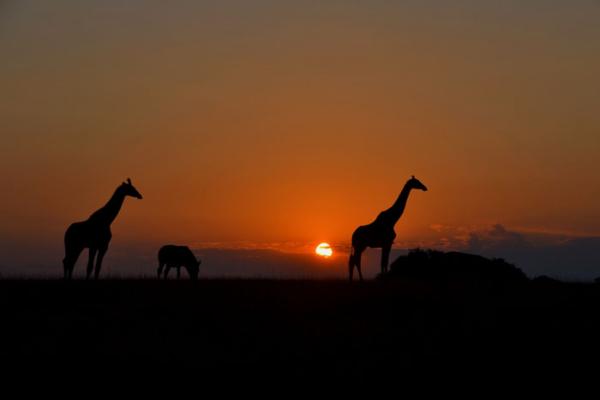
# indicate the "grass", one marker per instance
pixel 301 328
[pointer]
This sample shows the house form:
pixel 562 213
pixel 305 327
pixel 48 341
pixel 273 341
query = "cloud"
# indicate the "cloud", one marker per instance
pixel 496 237
pixel 537 253
pixel 558 255
pixel 265 263
pixel 220 261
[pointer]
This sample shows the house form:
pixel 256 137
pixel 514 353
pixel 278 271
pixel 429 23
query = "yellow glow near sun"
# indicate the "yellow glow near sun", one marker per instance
pixel 324 250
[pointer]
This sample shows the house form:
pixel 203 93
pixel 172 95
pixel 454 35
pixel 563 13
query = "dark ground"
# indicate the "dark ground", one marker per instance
pixel 303 329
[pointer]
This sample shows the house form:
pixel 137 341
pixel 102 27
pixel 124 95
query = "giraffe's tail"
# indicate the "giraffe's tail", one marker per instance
pixel 351 263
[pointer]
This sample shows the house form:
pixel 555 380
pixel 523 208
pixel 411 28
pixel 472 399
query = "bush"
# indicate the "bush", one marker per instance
pixel 436 265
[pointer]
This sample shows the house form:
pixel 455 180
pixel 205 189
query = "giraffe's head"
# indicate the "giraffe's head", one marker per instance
pixel 414 183
pixel 127 189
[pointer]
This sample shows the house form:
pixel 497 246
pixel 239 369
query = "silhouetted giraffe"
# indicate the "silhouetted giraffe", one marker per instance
pixel 94 233
pixel 380 233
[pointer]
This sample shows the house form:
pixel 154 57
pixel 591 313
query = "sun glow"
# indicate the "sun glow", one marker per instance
pixel 324 250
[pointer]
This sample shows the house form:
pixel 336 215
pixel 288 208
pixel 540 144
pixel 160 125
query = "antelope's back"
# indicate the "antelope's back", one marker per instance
pixel 173 254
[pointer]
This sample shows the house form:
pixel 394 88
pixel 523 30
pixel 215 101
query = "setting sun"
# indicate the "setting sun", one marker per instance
pixel 324 250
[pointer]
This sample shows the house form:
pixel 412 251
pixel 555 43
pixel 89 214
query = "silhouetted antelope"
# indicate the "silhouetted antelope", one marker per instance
pixel 176 257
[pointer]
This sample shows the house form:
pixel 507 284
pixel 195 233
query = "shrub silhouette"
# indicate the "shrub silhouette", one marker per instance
pixel 433 265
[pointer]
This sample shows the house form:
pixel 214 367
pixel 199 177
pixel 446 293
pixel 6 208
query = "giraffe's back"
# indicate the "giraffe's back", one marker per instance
pixel 373 235
pixel 177 255
pixel 84 234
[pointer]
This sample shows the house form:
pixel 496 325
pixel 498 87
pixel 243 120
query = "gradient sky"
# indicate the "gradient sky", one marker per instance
pixel 269 122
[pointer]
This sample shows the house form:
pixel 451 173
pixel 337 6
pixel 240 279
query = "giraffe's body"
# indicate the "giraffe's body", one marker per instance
pixel 380 233
pixel 94 233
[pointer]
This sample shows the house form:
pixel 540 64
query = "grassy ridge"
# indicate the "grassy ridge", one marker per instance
pixel 304 328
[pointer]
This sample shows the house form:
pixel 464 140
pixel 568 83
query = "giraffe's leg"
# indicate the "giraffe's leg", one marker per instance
pixel 167 271
pixel 90 266
pixel 71 268
pixel 385 258
pixel 101 253
pixel 358 261
pixel 351 265
pixel 69 261
pixel 68 265
pixel 65 269
pixel 160 269
pixel 355 258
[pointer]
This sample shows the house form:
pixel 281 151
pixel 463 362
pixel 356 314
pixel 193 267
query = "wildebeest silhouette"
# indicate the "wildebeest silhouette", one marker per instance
pixel 173 256
pixel 94 233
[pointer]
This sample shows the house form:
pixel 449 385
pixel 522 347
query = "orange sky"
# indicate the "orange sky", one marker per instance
pixel 298 121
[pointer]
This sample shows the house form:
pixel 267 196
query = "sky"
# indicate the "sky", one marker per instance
pixel 270 126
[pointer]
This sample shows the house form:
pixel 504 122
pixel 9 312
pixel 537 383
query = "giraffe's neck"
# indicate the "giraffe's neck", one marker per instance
pixel 393 214
pixel 107 214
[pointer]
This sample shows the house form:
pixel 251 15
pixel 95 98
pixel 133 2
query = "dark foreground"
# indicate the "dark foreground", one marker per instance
pixel 300 328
